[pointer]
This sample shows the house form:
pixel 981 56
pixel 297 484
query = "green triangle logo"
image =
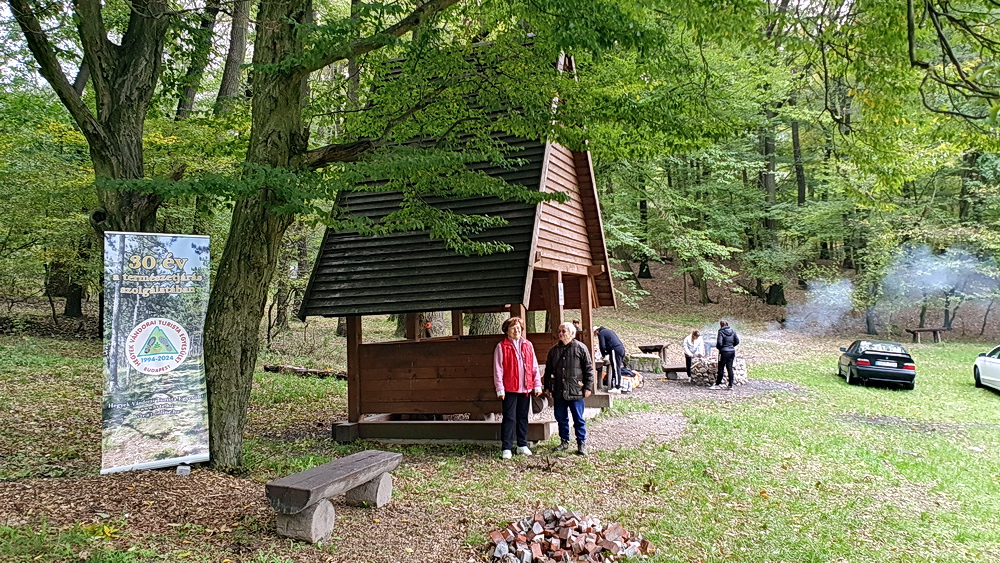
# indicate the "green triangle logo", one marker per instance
pixel 157 344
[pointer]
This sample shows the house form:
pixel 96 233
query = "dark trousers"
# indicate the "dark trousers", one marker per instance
pixel 726 362
pixel 515 413
pixel 563 409
pixel 615 361
pixel 687 360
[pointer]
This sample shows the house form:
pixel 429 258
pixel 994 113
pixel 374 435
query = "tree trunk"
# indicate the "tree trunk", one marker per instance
pixel 235 309
pixel 202 42
pixel 776 294
pixel 239 291
pixel 698 278
pixel 486 323
pixel 870 321
pixel 74 301
pixel 800 171
pixel 644 272
pixel 438 324
pixel 969 175
pixel 766 178
pixel 986 316
pixel 229 88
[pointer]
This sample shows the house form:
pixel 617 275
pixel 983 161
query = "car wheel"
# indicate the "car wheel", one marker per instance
pixel 850 379
pixel 975 373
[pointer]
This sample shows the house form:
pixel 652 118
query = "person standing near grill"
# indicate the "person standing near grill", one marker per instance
pixel 611 347
pixel 694 347
pixel 515 377
pixel 726 341
pixel 569 376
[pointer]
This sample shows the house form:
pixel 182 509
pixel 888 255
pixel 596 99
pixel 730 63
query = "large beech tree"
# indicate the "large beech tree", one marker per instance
pixel 124 76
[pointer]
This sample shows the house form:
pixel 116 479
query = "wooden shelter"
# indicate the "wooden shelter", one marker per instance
pixel 559 261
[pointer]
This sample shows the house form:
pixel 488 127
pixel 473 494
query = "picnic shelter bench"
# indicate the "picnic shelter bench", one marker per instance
pixel 935 332
pixel 301 499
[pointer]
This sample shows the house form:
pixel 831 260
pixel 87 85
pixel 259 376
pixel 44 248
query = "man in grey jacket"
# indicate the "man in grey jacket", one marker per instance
pixel 569 376
pixel 726 341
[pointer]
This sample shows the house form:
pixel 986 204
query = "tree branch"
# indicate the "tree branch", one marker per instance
pixel 50 67
pixel 379 40
pixel 343 152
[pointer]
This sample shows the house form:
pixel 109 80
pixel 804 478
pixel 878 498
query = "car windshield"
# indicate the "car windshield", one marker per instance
pixel 891 347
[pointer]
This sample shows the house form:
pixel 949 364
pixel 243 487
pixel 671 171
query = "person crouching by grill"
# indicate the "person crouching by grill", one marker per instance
pixel 515 376
pixel 694 347
pixel 569 376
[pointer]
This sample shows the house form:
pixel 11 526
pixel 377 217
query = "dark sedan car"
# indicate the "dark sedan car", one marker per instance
pixel 877 360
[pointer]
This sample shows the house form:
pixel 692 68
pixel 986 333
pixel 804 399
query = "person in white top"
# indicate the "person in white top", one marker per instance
pixel 694 347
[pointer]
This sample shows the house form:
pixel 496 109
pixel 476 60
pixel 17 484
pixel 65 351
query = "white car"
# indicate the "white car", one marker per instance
pixel 986 370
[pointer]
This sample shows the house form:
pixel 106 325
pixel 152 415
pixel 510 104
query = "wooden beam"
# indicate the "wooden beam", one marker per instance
pixel 354 338
pixel 518 310
pixel 596 269
pixel 413 328
pixel 555 307
pixel 457 325
pixel 586 334
pixel 552 265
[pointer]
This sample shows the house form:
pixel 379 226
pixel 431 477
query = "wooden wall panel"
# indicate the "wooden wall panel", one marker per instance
pixel 436 376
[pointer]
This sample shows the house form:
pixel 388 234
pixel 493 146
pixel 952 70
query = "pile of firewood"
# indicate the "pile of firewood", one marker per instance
pixel 557 535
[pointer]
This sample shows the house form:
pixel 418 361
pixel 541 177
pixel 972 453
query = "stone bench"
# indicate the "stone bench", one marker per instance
pixel 658 349
pixel 647 363
pixel 302 499
pixel 935 333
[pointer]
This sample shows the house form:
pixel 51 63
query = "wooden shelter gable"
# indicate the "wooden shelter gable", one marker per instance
pixel 570 235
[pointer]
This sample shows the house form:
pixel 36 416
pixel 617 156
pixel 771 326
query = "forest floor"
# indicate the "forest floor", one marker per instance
pixel 53 503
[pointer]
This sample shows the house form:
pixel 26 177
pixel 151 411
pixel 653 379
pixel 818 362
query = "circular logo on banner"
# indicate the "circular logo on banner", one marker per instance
pixel 157 345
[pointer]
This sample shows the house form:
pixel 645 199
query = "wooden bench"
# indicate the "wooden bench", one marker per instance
pixel 935 332
pixel 301 499
pixel 676 371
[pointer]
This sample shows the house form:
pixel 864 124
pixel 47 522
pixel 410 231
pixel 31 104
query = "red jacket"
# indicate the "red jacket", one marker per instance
pixel 510 377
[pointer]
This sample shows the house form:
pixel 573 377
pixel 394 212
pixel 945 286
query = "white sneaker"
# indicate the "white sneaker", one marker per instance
pixel 523 450
pixel 614 390
pixel 505 454
pixel 715 387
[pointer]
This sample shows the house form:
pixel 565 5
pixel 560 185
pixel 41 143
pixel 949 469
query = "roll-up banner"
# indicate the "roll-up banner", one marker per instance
pixel 155 410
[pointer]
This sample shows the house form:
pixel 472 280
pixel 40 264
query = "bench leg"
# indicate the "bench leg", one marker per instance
pixel 937 336
pixel 314 524
pixel 377 492
pixel 916 337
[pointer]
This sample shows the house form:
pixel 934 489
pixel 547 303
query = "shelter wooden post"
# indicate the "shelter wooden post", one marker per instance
pixel 353 368
pixel 457 324
pixel 555 305
pixel 586 313
pixel 518 310
pixel 413 329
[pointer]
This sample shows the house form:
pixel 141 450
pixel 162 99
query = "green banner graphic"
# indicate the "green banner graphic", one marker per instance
pixel 155 411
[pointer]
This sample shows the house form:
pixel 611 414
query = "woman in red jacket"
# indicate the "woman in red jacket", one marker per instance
pixel 515 375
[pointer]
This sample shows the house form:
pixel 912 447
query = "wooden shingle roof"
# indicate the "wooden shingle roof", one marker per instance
pixel 408 272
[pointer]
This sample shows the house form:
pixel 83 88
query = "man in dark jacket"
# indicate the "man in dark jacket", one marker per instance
pixel 612 348
pixel 726 341
pixel 569 376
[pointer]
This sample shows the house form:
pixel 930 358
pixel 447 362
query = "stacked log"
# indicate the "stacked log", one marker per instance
pixel 705 370
pixel 559 535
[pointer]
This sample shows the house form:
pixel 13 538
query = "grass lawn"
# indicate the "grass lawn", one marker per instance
pixel 827 472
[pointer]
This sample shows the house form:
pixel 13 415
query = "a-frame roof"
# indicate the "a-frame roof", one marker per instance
pixel 356 274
